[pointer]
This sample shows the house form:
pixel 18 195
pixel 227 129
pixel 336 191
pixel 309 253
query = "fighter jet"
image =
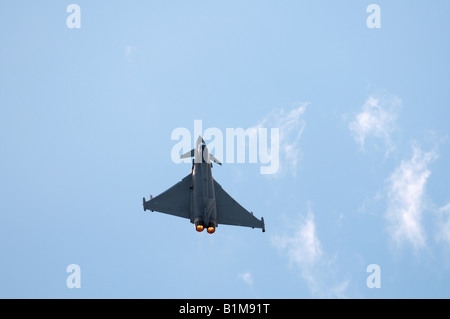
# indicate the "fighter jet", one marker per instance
pixel 199 198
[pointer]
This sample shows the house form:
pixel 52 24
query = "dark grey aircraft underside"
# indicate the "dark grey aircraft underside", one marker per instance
pixel 199 198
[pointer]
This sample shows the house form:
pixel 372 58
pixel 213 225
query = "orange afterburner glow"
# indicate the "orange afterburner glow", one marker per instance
pixel 211 230
pixel 199 228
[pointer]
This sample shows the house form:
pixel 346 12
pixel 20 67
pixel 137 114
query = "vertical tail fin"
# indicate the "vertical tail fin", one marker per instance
pixel 201 147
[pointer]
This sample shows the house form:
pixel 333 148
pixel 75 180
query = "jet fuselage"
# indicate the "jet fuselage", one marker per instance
pixel 204 210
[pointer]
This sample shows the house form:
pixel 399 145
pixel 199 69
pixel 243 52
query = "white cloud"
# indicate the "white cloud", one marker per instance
pixel 291 126
pixel 247 278
pixel 377 119
pixel 304 252
pixel 406 199
pixel 303 248
pixel 130 50
pixel 443 231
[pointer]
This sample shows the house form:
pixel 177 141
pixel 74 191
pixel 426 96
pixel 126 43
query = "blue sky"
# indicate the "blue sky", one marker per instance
pixel 85 133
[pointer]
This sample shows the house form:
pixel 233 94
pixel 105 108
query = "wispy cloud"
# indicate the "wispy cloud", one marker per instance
pixel 443 231
pixel 304 251
pixel 130 50
pixel 377 119
pixel 303 247
pixel 247 278
pixel 291 125
pixel 406 198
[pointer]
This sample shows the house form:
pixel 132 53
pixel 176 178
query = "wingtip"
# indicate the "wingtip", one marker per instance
pixel 263 225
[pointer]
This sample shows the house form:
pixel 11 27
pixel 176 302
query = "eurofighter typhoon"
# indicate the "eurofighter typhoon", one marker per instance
pixel 199 198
